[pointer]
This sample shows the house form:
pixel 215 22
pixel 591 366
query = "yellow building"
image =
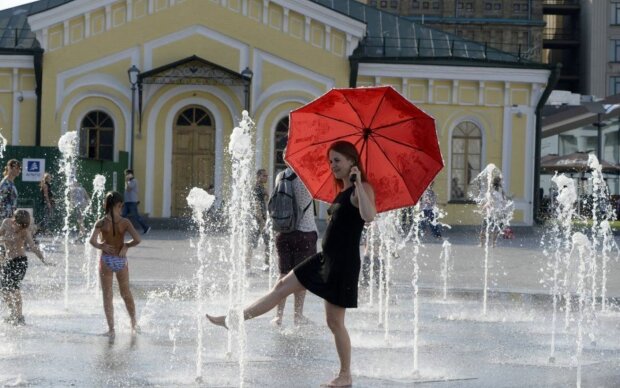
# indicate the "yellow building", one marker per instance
pixel 199 63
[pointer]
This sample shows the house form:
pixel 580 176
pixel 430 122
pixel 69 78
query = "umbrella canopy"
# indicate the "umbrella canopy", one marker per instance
pixel 575 162
pixel 396 141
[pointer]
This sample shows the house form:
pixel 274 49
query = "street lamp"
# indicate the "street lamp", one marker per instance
pixel 133 74
pixel 247 75
pixel 600 109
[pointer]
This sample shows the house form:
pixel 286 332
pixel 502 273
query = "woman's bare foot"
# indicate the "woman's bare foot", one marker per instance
pixel 340 381
pixel 277 321
pixel 110 334
pixel 217 320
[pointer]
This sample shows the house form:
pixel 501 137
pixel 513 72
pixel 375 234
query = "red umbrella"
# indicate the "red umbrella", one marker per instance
pixel 396 141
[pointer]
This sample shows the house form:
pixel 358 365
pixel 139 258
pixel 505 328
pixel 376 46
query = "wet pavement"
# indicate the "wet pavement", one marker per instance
pixel 509 346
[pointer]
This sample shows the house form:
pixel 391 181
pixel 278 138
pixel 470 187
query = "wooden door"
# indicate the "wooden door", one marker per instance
pixel 193 156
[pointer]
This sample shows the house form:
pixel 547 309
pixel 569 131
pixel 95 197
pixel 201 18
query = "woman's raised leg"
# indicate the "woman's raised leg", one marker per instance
pixel 283 288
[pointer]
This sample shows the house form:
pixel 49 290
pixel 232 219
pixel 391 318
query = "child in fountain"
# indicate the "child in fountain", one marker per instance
pixel 108 235
pixel 16 235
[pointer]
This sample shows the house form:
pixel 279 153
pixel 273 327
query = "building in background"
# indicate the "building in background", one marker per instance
pixel 508 25
pixel 166 81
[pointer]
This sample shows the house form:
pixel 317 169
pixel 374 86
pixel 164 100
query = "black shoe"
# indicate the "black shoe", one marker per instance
pixel 147 230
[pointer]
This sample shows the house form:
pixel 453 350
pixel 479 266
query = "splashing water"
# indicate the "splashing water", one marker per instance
pixel 584 249
pixel 560 244
pixel 93 211
pixel 3 143
pixel 496 211
pixel 241 216
pixel 446 265
pixel 68 146
pixel 200 201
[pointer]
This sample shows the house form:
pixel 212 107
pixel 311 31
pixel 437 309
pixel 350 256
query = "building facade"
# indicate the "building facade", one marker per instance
pixel 202 62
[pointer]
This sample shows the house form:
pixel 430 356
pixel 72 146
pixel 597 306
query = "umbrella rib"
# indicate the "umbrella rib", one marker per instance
pixel 400 122
pixel 354 110
pixel 340 120
pixel 389 160
pixel 376 110
pixel 394 141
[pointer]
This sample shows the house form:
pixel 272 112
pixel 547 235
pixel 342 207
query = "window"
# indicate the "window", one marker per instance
pixel 614 50
pixel 435 5
pixel 373 3
pixel 488 6
pixel 497 6
pixel 415 4
pixel 383 3
pixel 97 136
pixel 615 13
pixel 459 5
pixel 469 6
pixel 426 5
pixel 394 4
pixel 466 158
pixel 194 116
pixel 614 85
pixel 281 137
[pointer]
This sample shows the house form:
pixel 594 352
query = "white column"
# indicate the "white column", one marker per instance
pixel 481 93
pixel 455 92
pixel 377 81
pixel 86 25
pixel 151 8
pixel 129 10
pixel 507 94
pixel 404 88
pixel 108 17
pixel 285 22
pixel 265 11
pixel 244 7
pixel 349 47
pixel 507 146
pixel 65 26
pixel 307 29
pixel 173 3
pixel 15 121
pixel 431 85
pixel 328 38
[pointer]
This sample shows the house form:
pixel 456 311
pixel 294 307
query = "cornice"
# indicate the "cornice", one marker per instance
pixel 529 76
pixel 64 12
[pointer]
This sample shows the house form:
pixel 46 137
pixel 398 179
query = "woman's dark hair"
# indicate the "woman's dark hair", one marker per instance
pixel 22 218
pixel 349 151
pixel 9 164
pixel 111 199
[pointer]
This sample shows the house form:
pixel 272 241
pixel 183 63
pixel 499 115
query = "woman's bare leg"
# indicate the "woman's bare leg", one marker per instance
pixel 123 286
pixel 107 277
pixel 283 288
pixel 335 320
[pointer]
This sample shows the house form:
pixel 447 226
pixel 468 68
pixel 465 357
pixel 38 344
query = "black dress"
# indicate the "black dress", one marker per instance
pixel 333 274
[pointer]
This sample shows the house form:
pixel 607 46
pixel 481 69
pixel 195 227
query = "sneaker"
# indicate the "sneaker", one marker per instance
pixel 147 230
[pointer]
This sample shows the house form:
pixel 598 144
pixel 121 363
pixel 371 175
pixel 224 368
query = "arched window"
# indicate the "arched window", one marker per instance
pixel 97 136
pixel 281 137
pixel 194 116
pixel 466 158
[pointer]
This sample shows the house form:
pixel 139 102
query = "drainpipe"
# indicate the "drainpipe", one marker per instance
pixel 38 76
pixel 553 80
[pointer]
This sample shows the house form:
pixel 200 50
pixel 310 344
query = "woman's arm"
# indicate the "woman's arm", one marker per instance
pixel 365 200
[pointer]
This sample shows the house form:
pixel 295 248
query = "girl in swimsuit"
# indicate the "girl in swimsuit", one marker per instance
pixel 108 235
pixel 332 274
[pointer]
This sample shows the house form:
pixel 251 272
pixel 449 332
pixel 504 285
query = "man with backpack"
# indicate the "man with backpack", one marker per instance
pixel 292 218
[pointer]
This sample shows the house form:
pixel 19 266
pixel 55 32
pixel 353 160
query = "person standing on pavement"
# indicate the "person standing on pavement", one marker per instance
pixel 428 203
pixel 130 207
pixel 295 246
pixel 47 200
pixel 8 191
pixel 259 197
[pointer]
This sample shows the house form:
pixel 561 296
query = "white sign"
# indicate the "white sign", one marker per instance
pixel 33 170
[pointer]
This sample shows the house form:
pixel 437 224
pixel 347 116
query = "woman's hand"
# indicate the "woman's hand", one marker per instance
pixel 354 175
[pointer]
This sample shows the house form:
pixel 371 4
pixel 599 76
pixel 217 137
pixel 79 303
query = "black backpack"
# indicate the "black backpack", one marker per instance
pixel 282 205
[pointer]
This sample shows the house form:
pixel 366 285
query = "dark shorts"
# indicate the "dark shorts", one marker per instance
pixel 12 273
pixel 293 248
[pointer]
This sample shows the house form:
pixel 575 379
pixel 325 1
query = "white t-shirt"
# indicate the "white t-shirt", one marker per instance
pixel 305 222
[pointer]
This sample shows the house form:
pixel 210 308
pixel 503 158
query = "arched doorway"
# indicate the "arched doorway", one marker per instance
pixel 193 155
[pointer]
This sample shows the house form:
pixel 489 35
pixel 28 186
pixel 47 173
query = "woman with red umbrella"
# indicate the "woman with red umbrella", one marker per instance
pixel 333 273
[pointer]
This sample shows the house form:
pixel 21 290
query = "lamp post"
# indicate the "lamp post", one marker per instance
pixel 247 75
pixel 133 74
